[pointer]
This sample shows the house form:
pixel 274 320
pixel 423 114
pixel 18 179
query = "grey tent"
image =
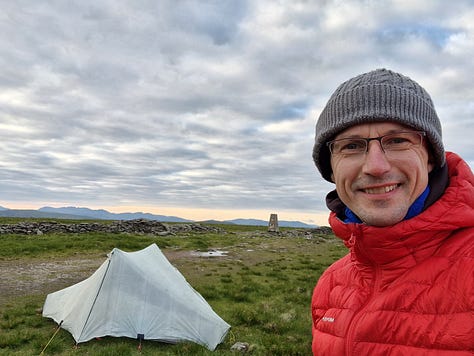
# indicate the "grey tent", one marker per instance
pixel 138 295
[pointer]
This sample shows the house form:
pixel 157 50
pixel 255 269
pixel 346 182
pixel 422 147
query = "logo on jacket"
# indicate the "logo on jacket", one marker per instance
pixel 328 319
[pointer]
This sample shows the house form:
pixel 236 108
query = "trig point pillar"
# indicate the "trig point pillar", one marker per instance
pixel 273 223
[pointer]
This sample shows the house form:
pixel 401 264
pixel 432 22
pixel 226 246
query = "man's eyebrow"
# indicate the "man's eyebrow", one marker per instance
pixel 389 132
pixel 349 136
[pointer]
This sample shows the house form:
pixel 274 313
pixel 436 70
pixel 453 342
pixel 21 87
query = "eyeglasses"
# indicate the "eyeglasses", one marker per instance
pixel 397 141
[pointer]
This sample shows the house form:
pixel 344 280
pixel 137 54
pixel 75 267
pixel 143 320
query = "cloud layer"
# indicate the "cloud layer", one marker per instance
pixel 206 104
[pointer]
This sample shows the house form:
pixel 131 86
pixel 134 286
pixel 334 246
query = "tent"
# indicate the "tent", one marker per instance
pixel 137 295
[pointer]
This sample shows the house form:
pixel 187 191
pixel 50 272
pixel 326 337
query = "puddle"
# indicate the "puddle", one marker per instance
pixel 210 253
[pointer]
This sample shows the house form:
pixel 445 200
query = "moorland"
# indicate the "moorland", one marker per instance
pixel 261 284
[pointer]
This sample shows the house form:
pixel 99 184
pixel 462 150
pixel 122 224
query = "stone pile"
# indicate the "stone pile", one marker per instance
pixel 321 233
pixel 322 230
pixel 140 226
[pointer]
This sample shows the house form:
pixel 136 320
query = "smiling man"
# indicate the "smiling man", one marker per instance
pixel 405 209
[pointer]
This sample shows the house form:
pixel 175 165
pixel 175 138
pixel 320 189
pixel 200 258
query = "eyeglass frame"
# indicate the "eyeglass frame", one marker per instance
pixel 367 140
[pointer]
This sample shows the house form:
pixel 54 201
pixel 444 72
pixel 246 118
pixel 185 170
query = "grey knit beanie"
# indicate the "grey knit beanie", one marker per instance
pixel 379 95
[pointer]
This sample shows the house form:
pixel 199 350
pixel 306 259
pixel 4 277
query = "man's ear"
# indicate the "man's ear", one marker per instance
pixel 332 177
pixel 431 161
pixel 431 166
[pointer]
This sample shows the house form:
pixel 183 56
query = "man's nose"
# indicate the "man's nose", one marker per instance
pixel 375 161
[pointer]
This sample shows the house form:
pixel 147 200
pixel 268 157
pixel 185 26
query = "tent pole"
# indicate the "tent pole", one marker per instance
pixel 140 337
pixel 97 295
pixel 52 337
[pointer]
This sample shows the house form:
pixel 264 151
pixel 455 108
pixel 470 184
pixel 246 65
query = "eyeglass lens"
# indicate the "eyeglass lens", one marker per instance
pixel 392 142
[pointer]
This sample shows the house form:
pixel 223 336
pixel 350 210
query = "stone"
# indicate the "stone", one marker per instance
pixel 240 346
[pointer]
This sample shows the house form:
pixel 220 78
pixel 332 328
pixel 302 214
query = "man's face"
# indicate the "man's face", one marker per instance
pixel 380 187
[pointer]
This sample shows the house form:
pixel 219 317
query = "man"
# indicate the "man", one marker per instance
pixel 405 210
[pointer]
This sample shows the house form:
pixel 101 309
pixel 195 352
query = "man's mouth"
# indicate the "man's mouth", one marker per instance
pixel 380 190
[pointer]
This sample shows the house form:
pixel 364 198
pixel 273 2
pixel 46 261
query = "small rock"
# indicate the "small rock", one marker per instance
pixel 240 346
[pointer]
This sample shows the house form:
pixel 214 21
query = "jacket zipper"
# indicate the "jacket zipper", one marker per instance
pixel 358 314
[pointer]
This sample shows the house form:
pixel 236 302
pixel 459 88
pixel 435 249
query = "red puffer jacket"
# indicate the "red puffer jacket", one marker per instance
pixel 406 289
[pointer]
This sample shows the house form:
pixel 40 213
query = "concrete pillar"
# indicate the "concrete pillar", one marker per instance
pixel 273 223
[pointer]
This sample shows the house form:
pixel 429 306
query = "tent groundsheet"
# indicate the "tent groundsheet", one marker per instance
pixel 137 295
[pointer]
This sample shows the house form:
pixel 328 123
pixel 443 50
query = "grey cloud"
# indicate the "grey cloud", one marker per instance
pixel 170 102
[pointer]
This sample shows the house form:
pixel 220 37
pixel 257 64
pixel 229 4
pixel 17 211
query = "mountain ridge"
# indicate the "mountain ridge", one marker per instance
pixel 82 213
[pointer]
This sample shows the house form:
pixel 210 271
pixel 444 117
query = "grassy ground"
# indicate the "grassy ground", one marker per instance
pixel 262 288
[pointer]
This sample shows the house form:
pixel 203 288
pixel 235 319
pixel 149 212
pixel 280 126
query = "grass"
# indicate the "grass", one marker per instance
pixel 262 288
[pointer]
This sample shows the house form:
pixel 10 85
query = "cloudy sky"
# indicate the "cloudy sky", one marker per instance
pixel 205 109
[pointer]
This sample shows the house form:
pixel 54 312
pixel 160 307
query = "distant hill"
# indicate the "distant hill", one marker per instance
pixel 19 213
pixel 106 215
pixel 216 222
pixel 282 223
pixel 78 213
pixel 256 222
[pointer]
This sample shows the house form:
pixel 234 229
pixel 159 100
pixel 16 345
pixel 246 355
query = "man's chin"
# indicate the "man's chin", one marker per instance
pixel 380 218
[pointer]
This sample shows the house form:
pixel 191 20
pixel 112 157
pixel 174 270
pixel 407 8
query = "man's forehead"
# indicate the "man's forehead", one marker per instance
pixel 381 127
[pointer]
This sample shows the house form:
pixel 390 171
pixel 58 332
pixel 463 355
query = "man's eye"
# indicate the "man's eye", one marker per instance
pixel 352 146
pixel 398 140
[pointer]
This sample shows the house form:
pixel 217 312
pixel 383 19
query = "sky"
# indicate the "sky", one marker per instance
pixel 206 109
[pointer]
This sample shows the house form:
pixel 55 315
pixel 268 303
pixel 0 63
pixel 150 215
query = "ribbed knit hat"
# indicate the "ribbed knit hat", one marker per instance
pixel 377 96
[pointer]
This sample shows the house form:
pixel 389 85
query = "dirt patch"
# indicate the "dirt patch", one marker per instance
pixel 20 277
